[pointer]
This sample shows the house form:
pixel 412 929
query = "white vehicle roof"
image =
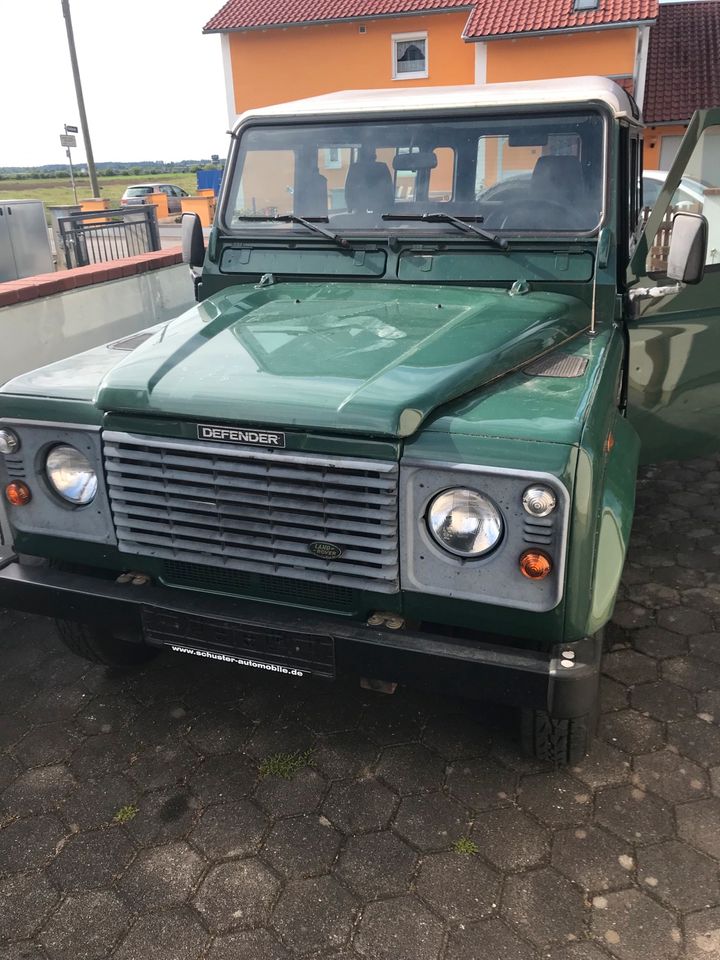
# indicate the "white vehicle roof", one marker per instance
pixel 545 93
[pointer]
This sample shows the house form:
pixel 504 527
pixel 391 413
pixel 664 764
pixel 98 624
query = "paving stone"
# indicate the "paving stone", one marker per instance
pixel 106 714
pixel 359 806
pixel 656 642
pixel 46 744
pixel 613 695
pixel 708 706
pixel 23 951
pixel 431 822
pixel 693 673
pixel 163 765
pixel 581 950
pixel 459 887
pixel 59 703
pixel 487 939
pixel 164 815
pixel 94 803
pixel 684 620
pixel 314 914
pixel 696 739
pixel 302 846
pixel 544 906
pixel 232 829
pixel 631 731
pixel 12 729
pixel 399 929
pixel 91 861
pixel 702 935
pixel 511 840
pixel 10 770
pixel 455 737
pixel 85 927
pixel 289 798
pixel 636 816
pixel 344 754
pixel 706 645
pixel 103 754
pixel 604 767
pixel 377 865
pixel 555 798
pixel 631 926
pixel 630 615
pixel 629 667
pixel 663 700
pixel 26 899
pixel 704 598
pixel 411 768
pixel 670 776
pixel 17 692
pixel 481 784
pixel 392 719
pixel 163 876
pixel 39 790
pixel 174 934
pixel 164 721
pixel 270 738
pixel 591 857
pixel 29 844
pixel 679 876
pixel 237 894
pixel 248 945
pixel 229 777
pixel 699 824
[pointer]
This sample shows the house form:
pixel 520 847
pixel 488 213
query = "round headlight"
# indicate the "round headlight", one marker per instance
pixel 465 522
pixel 9 442
pixel 539 500
pixel 70 474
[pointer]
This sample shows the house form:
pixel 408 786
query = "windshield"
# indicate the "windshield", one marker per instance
pixel 539 174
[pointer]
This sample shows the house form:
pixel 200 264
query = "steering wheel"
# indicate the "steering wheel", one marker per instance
pixel 528 213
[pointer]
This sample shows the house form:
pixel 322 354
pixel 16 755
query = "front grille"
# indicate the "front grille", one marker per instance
pixel 198 576
pixel 251 510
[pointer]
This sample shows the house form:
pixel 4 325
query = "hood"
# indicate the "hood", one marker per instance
pixel 360 358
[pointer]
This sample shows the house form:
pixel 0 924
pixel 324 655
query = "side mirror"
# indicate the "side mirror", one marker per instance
pixel 193 242
pixel 688 248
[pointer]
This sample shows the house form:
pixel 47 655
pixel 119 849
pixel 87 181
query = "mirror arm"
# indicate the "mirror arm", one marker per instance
pixel 648 293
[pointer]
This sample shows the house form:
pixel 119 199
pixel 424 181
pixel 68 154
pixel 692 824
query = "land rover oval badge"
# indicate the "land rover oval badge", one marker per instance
pixel 326 551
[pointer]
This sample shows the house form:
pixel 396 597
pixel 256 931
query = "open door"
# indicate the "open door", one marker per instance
pixel 674 364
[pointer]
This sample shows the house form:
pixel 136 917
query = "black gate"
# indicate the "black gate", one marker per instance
pixel 100 235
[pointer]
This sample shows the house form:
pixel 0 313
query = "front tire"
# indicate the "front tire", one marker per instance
pixel 560 742
pixel 98 646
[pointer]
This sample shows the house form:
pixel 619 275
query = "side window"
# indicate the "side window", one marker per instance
pixel 409 53
pixel 699 192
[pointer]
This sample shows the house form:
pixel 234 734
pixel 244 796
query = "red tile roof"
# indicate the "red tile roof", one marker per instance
pixel 251 14
pixel 488 18
pixel 498 18
pixel 683 71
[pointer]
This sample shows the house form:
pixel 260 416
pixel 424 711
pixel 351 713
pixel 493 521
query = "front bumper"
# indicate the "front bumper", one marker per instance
pixel 565 686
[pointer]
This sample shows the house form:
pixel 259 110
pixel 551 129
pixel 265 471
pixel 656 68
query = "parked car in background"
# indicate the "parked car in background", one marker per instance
pixel 139 193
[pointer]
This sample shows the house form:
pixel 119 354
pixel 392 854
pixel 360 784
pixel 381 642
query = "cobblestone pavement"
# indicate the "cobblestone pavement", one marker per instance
pixel 135 820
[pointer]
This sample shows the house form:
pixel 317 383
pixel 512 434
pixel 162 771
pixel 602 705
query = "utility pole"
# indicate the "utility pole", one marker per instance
pixel 81 103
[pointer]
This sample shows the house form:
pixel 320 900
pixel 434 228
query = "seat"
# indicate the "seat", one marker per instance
pixel 369 186
pixel 557 180
pixel 312 200
pixel 556 199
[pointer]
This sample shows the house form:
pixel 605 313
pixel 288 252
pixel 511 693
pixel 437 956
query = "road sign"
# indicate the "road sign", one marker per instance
pixel 67 141
pixel 69 129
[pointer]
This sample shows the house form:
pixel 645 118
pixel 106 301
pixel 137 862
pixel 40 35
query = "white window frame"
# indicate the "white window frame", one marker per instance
pixel 404 38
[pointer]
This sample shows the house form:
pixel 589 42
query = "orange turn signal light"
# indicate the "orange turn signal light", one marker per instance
pixel 18 493
pixel 535 565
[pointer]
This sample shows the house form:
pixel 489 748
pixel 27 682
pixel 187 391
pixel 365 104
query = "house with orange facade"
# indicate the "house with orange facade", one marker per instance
pixel 279 50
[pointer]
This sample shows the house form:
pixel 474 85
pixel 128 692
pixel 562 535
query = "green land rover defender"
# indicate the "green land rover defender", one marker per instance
pixel 399 433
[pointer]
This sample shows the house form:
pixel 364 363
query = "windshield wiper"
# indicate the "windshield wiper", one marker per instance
pixel 464 223
pixel 312 223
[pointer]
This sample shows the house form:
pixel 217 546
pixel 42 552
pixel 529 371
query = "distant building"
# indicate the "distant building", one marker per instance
pixel 666 55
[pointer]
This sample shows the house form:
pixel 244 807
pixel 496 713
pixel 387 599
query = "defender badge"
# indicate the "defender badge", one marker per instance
pixel 326 551
pixel 254 436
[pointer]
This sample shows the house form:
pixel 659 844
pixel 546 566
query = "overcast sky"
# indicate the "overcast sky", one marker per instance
pixel 153 84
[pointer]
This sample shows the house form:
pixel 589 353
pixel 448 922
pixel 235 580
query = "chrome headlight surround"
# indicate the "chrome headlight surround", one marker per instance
pixel 464 522
pixel 71 475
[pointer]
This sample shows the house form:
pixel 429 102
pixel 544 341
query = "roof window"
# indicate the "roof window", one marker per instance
pixel 586 4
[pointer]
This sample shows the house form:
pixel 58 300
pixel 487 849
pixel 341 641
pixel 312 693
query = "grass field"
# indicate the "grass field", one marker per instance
pixel 59 191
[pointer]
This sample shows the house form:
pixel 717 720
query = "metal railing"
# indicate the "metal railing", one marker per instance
pixel 99 236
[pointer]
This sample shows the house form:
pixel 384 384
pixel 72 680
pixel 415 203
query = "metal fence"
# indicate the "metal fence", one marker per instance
pixel 101 235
